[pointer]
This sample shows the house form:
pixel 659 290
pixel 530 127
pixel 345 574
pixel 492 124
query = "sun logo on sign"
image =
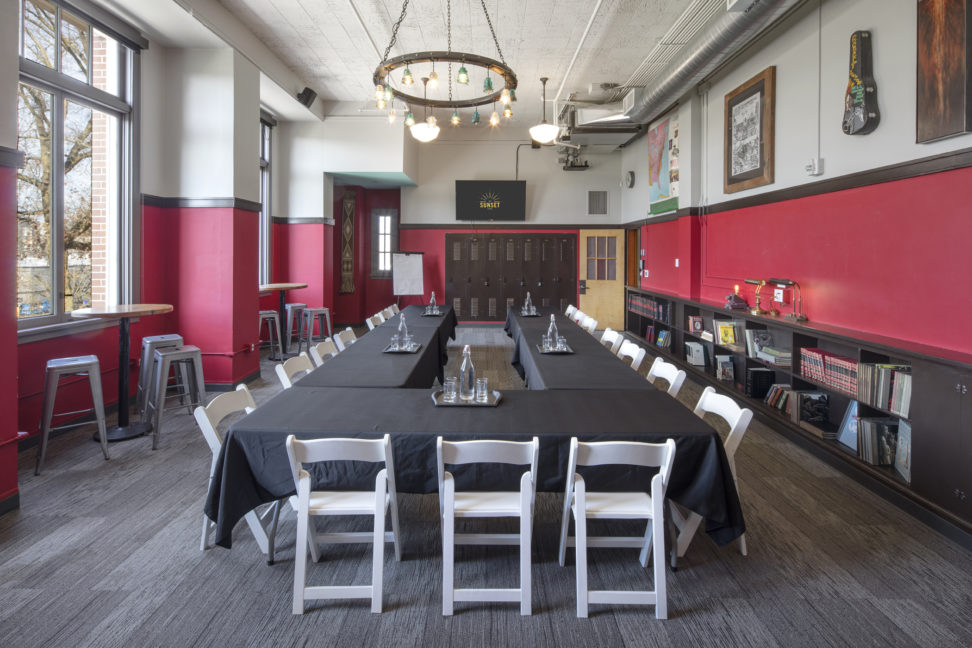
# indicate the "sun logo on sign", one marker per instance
pixel 489 200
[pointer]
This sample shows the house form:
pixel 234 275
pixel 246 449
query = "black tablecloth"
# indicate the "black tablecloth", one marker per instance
pixel 363 364
pixel 253 467
pixel 591 366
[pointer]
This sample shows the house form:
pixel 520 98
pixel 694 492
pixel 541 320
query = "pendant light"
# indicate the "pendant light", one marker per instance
pixel 428 130
pixel 544 132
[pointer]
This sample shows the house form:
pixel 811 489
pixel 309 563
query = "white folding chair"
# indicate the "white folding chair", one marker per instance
pixel 589 324
pixel 344 339
pixel 618 506
pixel 289 368
pixel 395 309
pixel 578 316
pixel 492 504
pixel 738 419
pixel 208 418
pixel 629 349
pixel 387 314
pixel 334 503
pixel 374 321
pixel 323 350
pixel 571 309
pixel 668 372
pixel 612 339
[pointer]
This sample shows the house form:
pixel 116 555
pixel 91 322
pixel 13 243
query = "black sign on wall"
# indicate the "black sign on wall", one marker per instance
pixel 491 200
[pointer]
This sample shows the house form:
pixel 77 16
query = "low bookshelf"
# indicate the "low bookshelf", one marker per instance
pixel 894 414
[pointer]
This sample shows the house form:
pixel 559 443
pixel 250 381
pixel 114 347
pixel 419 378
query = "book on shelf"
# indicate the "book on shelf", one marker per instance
pixel 664 339
pixel 830 369
pixel 902 452
pixel 847 432
pixel 695 324
pixel 657 309
pixel 886 386
pixel 758 381
pixel 726 332
pixel 814 414
pixel 724 368
pixel 778 357
pixel 877 438
pixel 695 354
pixel 650 333
pixel 707 336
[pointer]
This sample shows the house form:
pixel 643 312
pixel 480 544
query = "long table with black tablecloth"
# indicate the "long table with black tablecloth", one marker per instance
pixel 252 467
pixel 591 366
pixel 363 364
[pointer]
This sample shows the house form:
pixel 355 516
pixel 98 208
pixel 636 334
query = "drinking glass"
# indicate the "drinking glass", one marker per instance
pixel 394 343
pixel 407 343
pixel 482 390
pixel 561 343
pixel 449 390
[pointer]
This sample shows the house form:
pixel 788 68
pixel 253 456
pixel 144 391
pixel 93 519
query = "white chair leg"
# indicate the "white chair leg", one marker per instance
pixel 526 527
pixel 564 528
pixel 658 558
pixel 580 558
pixel 378 551
pixel 643 557
pixel 258 530
pixel 742 545
pixel 448 550
pixel 300 564
pixel 396 534
pixel 312 541
pixel 204 545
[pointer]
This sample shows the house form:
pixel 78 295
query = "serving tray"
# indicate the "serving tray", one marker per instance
pixel 438 314
pixel 568 351
pixel 494 399
pixel 412 349
pixel 522 314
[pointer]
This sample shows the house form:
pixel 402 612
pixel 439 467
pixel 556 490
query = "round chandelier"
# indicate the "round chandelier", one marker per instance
pixel 488 68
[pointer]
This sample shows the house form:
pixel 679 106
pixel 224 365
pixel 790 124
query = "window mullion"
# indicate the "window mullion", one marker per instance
pixel 58 260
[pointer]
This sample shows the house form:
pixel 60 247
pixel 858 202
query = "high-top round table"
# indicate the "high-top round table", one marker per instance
pixel 281 288
pixel 122 313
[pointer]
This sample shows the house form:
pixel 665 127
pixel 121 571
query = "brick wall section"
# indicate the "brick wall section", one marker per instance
pixel 99 178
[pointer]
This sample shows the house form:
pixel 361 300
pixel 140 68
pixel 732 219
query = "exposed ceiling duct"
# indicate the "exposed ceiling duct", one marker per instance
pixel 722 37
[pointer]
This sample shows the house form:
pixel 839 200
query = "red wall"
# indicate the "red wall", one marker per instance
pixel 301 253
pixel 8 333
pixel 888 259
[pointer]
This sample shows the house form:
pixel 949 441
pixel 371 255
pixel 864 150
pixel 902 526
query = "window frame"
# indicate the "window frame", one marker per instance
pixel 376 215
pixel 265 238
pixel 124 108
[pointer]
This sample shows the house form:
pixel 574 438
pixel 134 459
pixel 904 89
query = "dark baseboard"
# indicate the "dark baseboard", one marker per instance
pixel 170 203
pixel 515 225
pixel 281 220
pixel 226 387
pixel 11 503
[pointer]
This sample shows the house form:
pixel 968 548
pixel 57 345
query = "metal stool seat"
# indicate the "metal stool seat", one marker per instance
pixel 295 314
pixel 149 344
pixel 187 360
pixel 306 334
pixel 78 366
pixel 273 327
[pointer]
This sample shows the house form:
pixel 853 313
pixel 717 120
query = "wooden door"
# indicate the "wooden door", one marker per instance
pixel 602 259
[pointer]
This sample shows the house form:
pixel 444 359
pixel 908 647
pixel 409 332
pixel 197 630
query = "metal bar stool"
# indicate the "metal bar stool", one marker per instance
pixel 295 314
pixel 187 360
pixel 306 335
pixel 273 329
pixel 149 344
pixel 78 366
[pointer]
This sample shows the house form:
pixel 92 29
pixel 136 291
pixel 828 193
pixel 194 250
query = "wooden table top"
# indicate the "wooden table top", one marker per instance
pixel 281 286
pixel 119 311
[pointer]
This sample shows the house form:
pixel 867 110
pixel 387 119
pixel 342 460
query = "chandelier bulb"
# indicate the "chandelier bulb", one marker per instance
pixel 409 118
pixel 434 80
pixel 379 91
pixel 505 97
pixel 508 112
pixel 391 116
pixel 494 120
pixel 463 76
pixel 388 93
pixel 455 118
pixel 381 103
pixel 407 77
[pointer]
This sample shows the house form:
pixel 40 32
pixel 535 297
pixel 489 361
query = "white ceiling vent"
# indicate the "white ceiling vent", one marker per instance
pixel 597 203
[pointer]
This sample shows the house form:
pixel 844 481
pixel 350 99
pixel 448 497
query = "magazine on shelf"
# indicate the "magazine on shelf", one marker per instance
pixel 902 453
pixel 724 368
pixel 726 332
pixel 695 324
pixel 847 432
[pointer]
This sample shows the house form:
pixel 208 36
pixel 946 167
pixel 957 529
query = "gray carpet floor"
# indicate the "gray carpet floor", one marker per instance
pixel 107 554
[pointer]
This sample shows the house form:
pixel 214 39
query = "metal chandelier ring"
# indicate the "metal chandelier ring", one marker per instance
pixel 497 67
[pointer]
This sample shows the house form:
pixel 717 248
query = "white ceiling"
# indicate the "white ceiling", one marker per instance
pixel 335 53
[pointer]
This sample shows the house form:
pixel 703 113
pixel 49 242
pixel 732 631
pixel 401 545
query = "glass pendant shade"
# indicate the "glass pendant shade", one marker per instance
pixel 424 131
pixel 407 77
pixel 487 84
pixel 388 93
pixel 475 118
pixel 455 118
pixel 391 116
pixel 494 119
pixel 409 118
pixel 513 94
pixel 544 133
pixel 381 103
pixel 508 112
pixel 463 76
pixel 434 80
pixel 505 97
pixel 379 92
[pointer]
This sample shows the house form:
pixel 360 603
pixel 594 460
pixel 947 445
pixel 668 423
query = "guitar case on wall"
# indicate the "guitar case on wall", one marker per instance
pixel 861 115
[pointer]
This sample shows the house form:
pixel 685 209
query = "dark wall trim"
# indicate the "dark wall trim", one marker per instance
pixel 235 203
pixel 11 503
pixel 901 171
pixel 675 215
pixel 522 226
pixel 11 158
pixel 226 387
pixel 282 220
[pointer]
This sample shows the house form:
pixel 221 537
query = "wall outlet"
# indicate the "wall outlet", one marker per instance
pixel 646 273
pixel 778 295
pixel 252 347
pixel 814 167
pixel 676 262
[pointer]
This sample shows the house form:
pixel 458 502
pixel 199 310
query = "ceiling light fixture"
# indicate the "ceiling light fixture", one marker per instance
pixel 428 130
pixel 544 132
pixel 491 68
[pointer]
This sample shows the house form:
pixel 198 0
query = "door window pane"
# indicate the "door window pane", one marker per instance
pixel 39 32
pixel 74 47
pixel 35 277
pixel 612 247
pixel 601 246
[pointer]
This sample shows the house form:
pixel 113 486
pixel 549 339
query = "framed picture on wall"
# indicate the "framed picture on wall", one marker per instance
pixel 749 133
pixel 943 105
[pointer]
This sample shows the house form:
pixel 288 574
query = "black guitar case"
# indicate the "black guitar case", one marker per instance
pixel 861 115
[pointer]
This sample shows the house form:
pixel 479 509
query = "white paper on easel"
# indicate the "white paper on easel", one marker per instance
pixel 407 273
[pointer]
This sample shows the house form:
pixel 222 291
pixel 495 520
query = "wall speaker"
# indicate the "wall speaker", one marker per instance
pixel 306 97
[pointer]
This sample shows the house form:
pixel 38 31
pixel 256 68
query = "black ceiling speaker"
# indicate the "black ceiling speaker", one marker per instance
pixel 306 97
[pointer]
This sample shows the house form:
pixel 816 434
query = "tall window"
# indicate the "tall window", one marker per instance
pixel 75 115
pixel 384 241
pixel 266 138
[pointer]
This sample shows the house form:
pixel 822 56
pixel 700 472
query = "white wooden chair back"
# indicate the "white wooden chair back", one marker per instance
pixel 517 453
pixel 387 314
pixel 669 372
pixel 578 316
pixel 589 324
pixel 289 368
pixel 323 350
pixel 340 449
pixel 571 309
pixel 629 349
pixel 738 419
pixel 343 339
pixel 395 309
pixel 612 339
pixel 621 453
pixel 209 417
pixel 373 321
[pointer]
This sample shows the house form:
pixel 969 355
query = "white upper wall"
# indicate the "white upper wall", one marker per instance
pixel 553 196
pixel 246 129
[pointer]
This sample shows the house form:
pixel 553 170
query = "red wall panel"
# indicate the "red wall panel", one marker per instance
pixel 660 243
